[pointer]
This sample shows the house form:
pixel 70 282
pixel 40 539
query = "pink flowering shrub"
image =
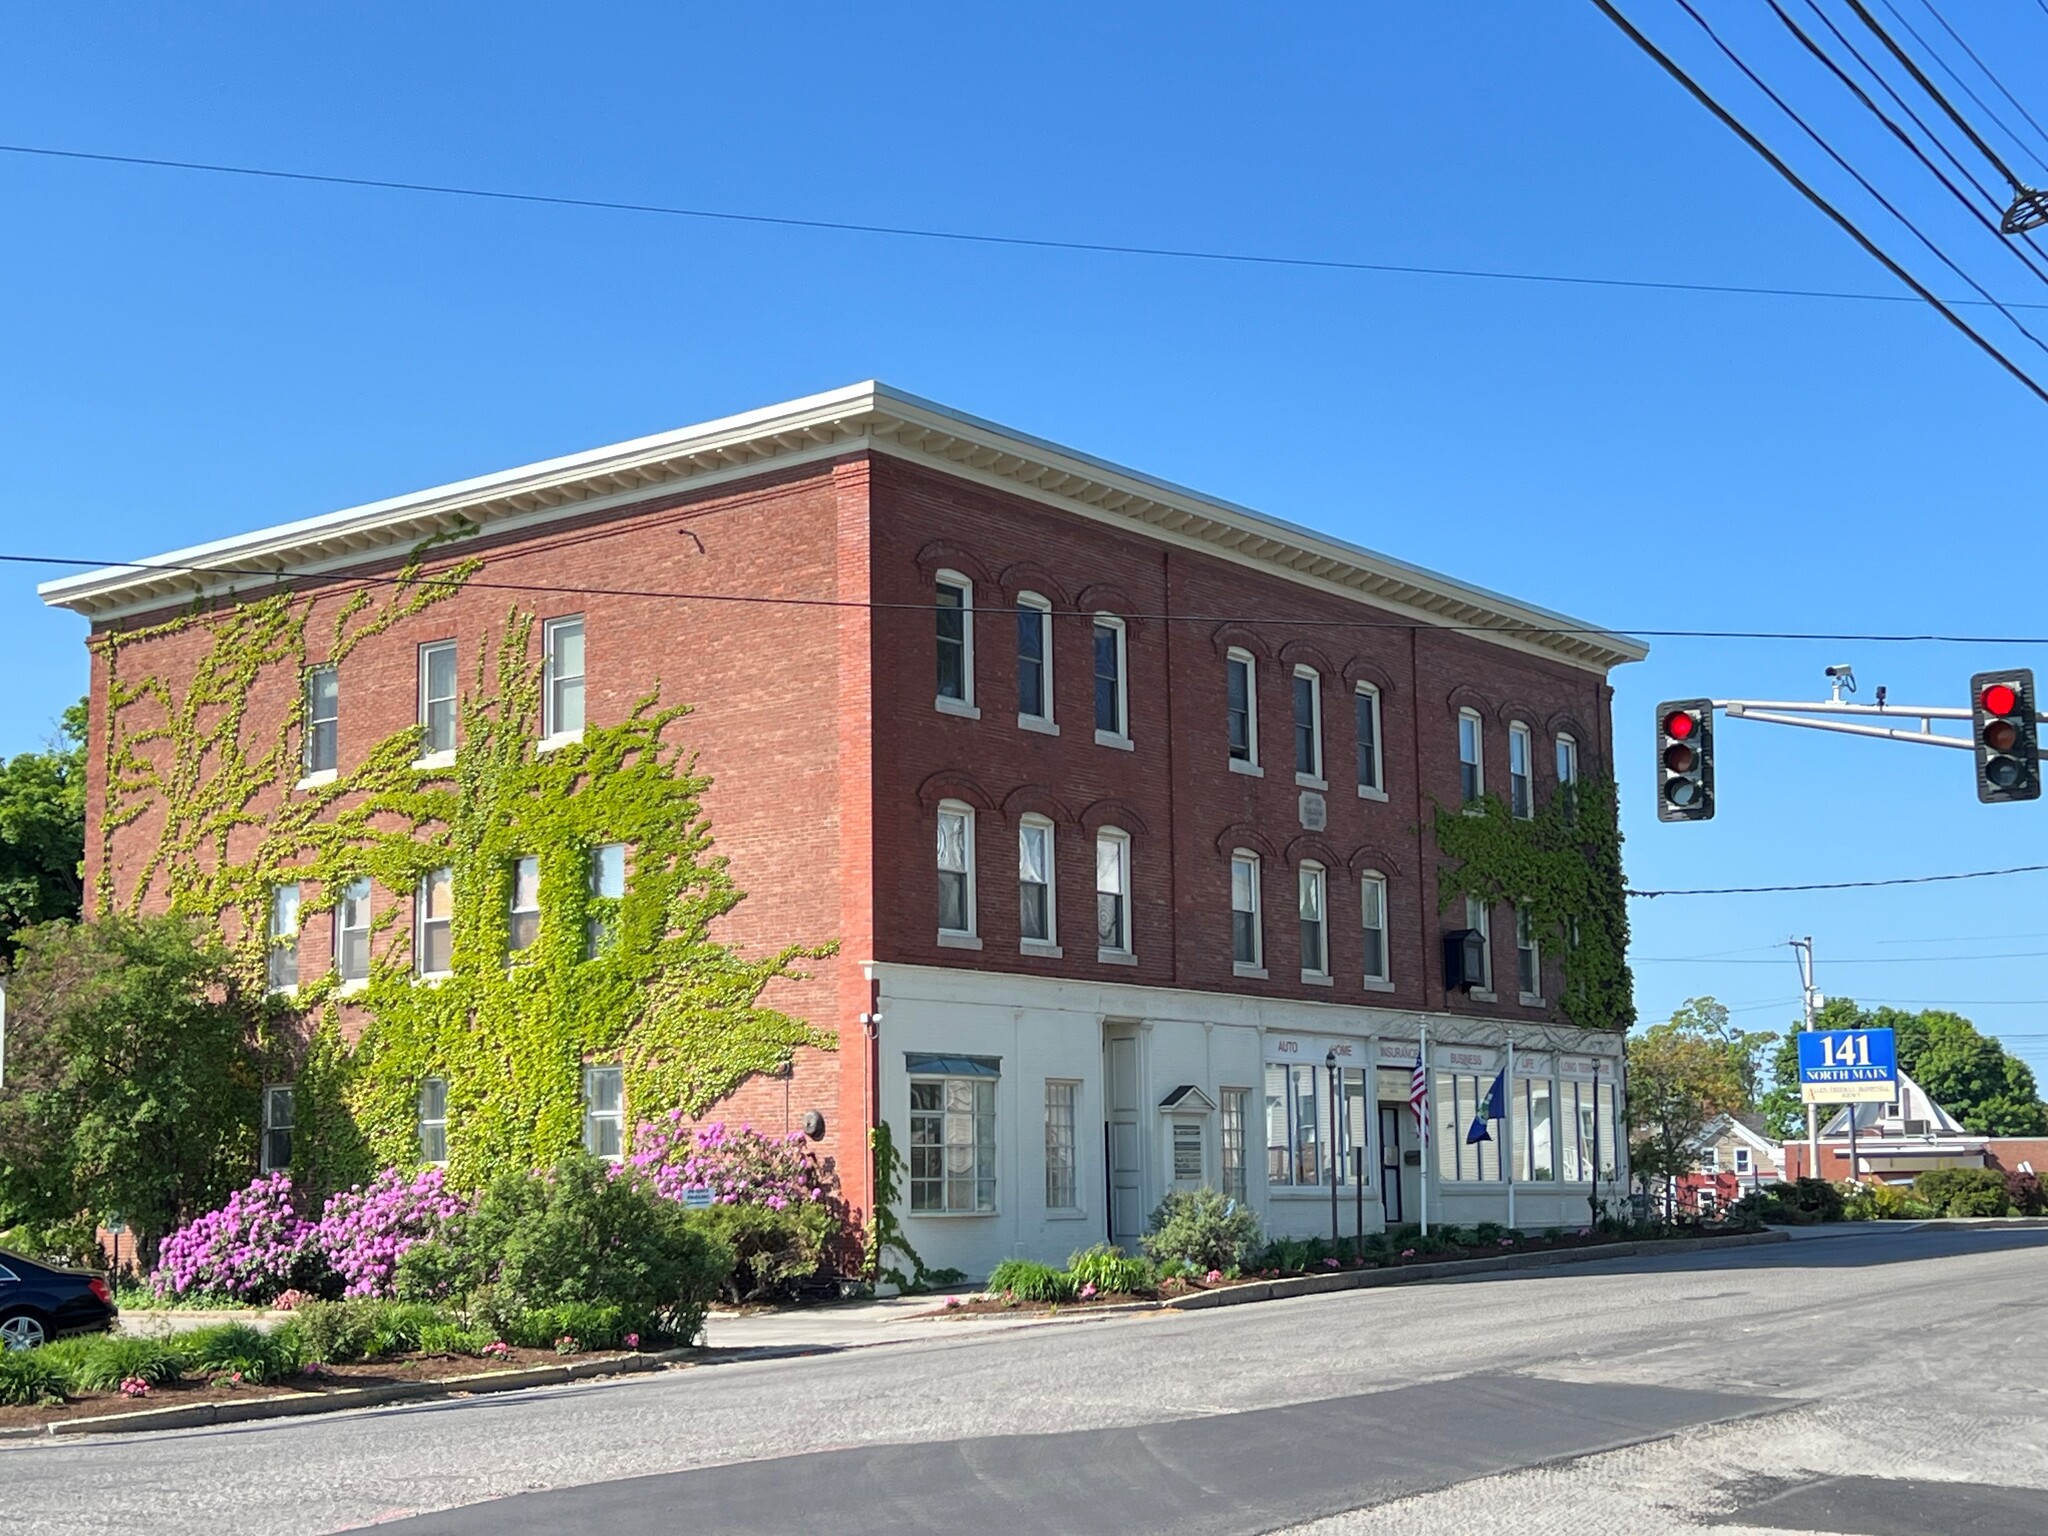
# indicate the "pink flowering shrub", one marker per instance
pixel 253 1247
pixel 364 1231
pixel 739 1167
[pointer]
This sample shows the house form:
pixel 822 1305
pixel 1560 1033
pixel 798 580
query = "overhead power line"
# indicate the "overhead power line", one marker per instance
pixel 1843 885
pixel 971 237
pixel 2029 954
pixel 1964 85
pixel 767 599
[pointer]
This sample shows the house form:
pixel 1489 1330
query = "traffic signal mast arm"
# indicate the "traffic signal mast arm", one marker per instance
pixel 1786 712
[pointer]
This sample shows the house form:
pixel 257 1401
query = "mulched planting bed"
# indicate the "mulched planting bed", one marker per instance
pixel 333 1378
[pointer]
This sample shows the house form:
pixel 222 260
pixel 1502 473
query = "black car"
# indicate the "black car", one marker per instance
pixel 40 1302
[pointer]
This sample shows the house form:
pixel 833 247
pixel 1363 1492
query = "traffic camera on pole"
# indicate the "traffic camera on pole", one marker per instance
pixel 2002 717
pixel 1685 760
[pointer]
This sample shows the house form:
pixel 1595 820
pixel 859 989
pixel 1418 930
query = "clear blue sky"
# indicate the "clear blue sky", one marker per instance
pixel 185 356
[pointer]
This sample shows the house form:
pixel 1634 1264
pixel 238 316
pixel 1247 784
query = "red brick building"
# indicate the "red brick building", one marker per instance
pixel 1114 796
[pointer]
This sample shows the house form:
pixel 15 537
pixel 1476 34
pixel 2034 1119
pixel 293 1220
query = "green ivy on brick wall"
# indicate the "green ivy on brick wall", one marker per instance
pixel 638 980
pixel 1564 865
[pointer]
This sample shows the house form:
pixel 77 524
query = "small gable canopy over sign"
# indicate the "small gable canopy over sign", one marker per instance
pixel 1187 1099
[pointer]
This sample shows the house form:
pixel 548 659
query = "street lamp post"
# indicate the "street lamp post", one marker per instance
pixel 1336 1155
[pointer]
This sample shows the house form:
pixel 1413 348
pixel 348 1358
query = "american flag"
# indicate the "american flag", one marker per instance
pixel 1418 1098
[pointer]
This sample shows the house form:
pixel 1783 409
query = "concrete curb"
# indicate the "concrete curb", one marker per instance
pixel 1454 1269
pixel 297 1405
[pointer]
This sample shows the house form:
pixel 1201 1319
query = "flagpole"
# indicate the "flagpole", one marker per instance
pixel 1508 1125
pixel 1428 1117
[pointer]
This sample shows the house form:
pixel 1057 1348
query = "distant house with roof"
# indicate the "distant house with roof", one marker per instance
pixel 1909 1135
pixel 1735 1156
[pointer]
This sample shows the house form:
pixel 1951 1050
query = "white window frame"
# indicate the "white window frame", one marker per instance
pixel 1529 945
pixel 1119 738
pixel 281 932
pixel 1478 918
pixel 594 1119
pixel 1119 840
pixel 1368 694
pixel 968 937
pixel 1233 659
pixel 1567 759
pixel 1312 777
pixel 554 732
pixel 983 1107
pixel 946 704
pixel 432 756
pixel 1710 1160
pixel 1457 1097
pixel 1245 859
pixel 1312 880
pixel 1041 719
pixel 311 770
pixel 1233 1174
pixel 1048 946
pixel 1372 889
pixel 275 1094
pixel 350 897
pixel 600 928
pixel 1472 735
pixel 422 920
pixel 1522 784
pixel 514 911
pixel 428 1122
pixel 1743 1160
pixel 1063 1097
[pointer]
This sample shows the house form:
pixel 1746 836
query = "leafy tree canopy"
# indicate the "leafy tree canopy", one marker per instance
pixel 1704 1018
pixel 1967 1073
pixel 1680 1080
pixel 42 831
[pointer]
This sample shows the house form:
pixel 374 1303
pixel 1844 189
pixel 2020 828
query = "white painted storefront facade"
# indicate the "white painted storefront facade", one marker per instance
pixel 1037 1116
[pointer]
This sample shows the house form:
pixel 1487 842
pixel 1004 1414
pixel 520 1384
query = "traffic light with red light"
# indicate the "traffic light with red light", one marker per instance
pixel 2002 717
pixel 1685 760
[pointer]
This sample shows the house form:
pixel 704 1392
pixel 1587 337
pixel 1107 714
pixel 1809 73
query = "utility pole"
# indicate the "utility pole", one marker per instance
pixel 1803 950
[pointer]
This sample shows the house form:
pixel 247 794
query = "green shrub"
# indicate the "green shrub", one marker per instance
pixel 585 1232
pixel 773 1251
pixel 1110 1269
pixel 454 1339
pixel 1201 1228
pixel 1964 1191
pixel 1883 1202
pixel 101 1362
pixel 580 1324
pixel 361 1328
pixel 2026 1193
pixel 226 1349
pixel 27 1376
pixel 75 1242
pixel 1028 1281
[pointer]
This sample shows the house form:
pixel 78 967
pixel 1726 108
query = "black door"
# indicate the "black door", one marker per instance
pixel 1390 1163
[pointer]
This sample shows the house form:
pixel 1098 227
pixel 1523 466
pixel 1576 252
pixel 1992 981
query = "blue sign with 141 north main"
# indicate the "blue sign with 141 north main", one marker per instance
pixel 1848 1066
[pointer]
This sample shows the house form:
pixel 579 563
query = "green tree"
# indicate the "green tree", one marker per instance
pixel 42 831
pixel 1967 1073
pixel 1679 1082
pixel 132 1074
pixel 1746 1049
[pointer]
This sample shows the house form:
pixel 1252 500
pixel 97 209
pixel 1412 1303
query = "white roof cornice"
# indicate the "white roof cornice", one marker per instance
pixel 862 416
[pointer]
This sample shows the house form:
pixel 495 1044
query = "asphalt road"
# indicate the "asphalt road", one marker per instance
pixel 1887 1384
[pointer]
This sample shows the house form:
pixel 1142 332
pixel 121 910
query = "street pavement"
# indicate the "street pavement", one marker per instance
pixel 1886 1383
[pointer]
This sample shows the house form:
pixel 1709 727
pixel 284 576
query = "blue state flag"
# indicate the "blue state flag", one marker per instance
pixel 1495 1108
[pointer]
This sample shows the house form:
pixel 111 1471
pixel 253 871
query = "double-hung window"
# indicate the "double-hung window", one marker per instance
pixel 1034 661
pixel 1233 1108
pixel 1062 1186
pixel 1308 727
pixel 956 871
pixel 953 1133
pixel 522 926
pixel 1112 893
pixel 1471 756
pixel 1365 704
pixel 277 1128
pixel 562 642
pixel 1521 779
pixel 1372 901
pixel 953 621
pixel 1567 761
pixel 437 700
pixel 281 954
pixel 323 720
pixel 1035 921
pixel 1315 926
pixel 433 1121
pixel 1477 920
pixel 606 872
pixel 1246 941
pixel 604 1112
pixel 434 923
pixel 1241 680
pixel 1112 691
pixel 352 932
pixel 1528 956
pixel 1742 1159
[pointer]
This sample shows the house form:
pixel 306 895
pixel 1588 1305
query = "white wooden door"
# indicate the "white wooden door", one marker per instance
pixel 1126 1141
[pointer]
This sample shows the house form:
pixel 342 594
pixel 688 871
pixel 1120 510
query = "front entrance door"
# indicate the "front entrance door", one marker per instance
pixel 1126 1158
pixel 1390 1162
